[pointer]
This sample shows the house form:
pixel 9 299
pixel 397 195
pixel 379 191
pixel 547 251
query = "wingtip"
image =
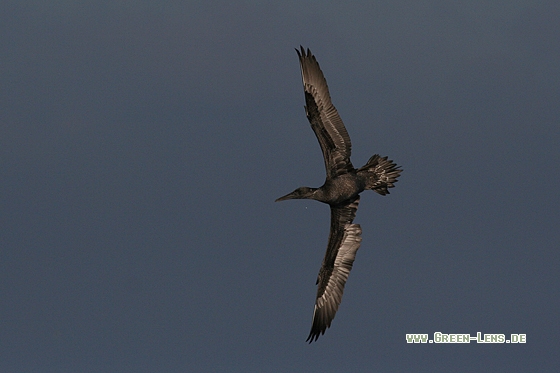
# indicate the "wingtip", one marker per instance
pixel 318 326
pixel 302 52
pixel 312 337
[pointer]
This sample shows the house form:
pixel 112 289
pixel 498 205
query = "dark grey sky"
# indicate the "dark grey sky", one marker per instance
pixel 142 147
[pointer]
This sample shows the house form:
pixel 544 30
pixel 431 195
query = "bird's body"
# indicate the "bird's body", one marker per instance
pixel 341 191
pixel 335 191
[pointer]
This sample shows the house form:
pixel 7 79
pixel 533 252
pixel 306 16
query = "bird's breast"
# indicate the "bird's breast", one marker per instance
pixel 341 189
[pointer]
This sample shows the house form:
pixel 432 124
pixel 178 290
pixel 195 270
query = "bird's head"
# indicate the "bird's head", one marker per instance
pixel 299 193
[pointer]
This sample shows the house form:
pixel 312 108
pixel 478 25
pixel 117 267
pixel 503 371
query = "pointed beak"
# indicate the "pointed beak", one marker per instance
pixel 286 197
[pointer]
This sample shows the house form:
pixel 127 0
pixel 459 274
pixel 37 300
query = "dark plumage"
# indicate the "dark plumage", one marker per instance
pixel 341 191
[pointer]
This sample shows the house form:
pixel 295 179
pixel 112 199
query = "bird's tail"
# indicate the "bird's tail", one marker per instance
pixel 380 174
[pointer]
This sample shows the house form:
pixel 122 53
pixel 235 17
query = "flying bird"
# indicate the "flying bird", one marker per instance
pixel 341 191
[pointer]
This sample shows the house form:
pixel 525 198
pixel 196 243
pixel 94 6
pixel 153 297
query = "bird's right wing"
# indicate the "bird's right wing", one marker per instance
pixel 344 242
pixel 323 117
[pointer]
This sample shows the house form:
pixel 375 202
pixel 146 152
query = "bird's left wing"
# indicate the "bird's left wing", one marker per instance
pixel 344 241
pixel 323 117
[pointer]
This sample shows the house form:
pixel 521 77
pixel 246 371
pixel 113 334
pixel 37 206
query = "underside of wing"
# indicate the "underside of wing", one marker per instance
pixel 324 119
pixel 344 242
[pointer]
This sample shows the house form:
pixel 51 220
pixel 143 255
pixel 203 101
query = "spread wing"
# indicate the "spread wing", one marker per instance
pixel 324 119
pixel 344 241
